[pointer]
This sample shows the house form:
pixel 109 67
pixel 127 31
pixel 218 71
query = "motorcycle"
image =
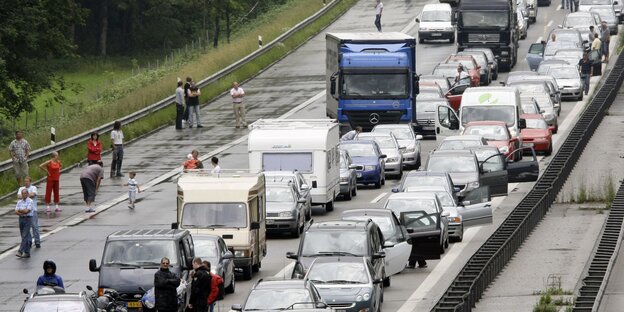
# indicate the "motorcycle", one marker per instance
pixel 111 301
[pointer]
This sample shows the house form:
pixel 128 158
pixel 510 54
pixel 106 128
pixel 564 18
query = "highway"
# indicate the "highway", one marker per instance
pixel 296 81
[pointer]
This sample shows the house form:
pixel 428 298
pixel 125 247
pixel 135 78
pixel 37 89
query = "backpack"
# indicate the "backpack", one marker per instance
pixel 219 282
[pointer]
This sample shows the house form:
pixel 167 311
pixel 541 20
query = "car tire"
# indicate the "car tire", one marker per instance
pixel 309 214
pixel 232 287
pixel 400 173
pixel 459 237
pixel 556 129
pixel 580 98
pixel 383 180
pixel 446 243
pixel 442 249
pixel 247 272
pixel 418 162
pixel 386 282
pixel 495 75
pixel 256 267
pixel 549 150
pixel 329 206
pixel 348 195
pixel 378 184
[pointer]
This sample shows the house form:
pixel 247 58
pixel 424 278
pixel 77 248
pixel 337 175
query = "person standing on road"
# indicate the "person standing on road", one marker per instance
pixel 52 167
pixel 574 4
pixel 179 101
pixel 378 12
pixel 605 39
pixel 94 148
pixel 165 288
pixel 193 105
pixel 133 189
pixel 24 209
pixel 592 34
pixel 349 136
pixel 117 137
pixel 215 165
pixel 200 287
pixel 187 86
pixel 238 94
pixel 585 68
pixel 20 151
pixel 32 193
pixel 216 283
pixel 49 277
pixel 596 56
pixel 90 180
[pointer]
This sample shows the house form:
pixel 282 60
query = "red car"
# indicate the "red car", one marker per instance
pixel 470 65
pixel 497 134
pixel 537 134
pixel 453 99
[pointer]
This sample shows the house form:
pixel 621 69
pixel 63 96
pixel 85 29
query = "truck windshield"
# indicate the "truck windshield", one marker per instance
pixel 210 215
pixel 378 86
pixel 504 113
pixel 485 19
pixel 139 252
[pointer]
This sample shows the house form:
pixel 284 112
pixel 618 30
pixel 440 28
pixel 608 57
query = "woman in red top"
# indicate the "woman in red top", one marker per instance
pixel 95 149
pixel 53 169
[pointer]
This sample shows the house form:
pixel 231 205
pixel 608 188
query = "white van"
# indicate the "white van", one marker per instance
pixel 230 204
pixel 310 146
pixel 435 23
pixel 482 104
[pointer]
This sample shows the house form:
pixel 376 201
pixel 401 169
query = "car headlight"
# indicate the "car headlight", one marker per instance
pixel 472 185
pixel 241 253
pixel 505 53
pixel 454 219
pixel 391 159
pixel 358 298
pixel 410 149
pixel 503 149
pixel 366 296
pixel 285 214
pixel 369 168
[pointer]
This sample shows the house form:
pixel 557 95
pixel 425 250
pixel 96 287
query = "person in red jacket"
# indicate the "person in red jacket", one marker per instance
pixel 94 147
pixel 214 287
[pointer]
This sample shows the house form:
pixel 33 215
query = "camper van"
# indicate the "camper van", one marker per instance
pixel 230 204
pixel 309 146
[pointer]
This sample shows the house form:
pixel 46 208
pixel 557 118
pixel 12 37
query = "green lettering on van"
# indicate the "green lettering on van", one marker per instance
pixel 487 97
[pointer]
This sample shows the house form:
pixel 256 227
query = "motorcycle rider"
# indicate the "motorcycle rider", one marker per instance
pixel 49 277
pixel 165 284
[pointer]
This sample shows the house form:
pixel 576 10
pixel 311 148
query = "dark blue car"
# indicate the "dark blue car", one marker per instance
pixel 367 154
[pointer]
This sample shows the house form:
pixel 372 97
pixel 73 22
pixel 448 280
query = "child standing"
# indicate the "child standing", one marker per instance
pixel 133 188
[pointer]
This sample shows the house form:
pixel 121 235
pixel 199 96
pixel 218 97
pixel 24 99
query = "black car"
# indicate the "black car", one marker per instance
pixel 273 295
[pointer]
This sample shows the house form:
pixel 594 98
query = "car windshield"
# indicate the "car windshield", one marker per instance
pixel 359 150
pixel 489 132
pixel 210 215
pixel 436 16
pixel 338 272
pixel 339 241
pixel 399 133
pixel 563 72
pixel 446 71
pixel 205 248
pixel 606 14
pixel 382 141
pixel 530 88
pixel 418 181
pixel 452 164
pixel 276 299
pixel 279 194
pixel 493 163
pixel 536 124
pixel 578 21
pixel 529 107
pixel 54 305
pixel 399 205
pixel 504 113
pixel 484 18
pixel 391 85
pixel 138 252
pixel 447 145
pixel 385 224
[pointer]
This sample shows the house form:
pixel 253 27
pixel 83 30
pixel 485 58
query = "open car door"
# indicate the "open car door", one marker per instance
pixel 454 95
pixel 526 170
pixel 492 173
pixel 446 122
pixel 535 55
pixel 425 231
pixel 397 255
pixel 476 208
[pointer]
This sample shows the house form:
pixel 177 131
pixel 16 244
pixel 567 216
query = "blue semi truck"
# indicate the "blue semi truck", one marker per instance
pixel 371 79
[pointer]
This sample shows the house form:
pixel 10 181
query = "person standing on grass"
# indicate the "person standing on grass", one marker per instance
pixel 179 103
pixel 117 137
pixel 90 179
pixel 193 105
pixel 24 209
pixel 53 169
pixel 20 151
pixel 133 189
pixel 32 194
pixel 94 148
pixel 187 86
pixel 238 94
pixel 378 12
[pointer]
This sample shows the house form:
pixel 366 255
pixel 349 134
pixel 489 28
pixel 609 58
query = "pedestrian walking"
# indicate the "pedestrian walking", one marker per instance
pixel 94 148
pixel 200 287
pixel 193 105
pixel 238 94
pixel 49 277
pixel 52 167
pixel 574 4
pixel 165 288
pixel 187 86
pixel 32 194
pixel 133 189
pixel 20 151
pixel 216 287
pixel 585 68
pixel 564 4
pixel 378 11
pixel 215 165
pixel 179 101
pixel 351 134
pixel 90 180
pixel 117 137
pixel 605 39
pixel 24 209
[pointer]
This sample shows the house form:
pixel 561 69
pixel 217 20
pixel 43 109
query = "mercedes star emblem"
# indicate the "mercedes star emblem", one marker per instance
pixel 373 118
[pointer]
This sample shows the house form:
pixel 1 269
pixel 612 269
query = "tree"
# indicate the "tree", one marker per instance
pixel 32 33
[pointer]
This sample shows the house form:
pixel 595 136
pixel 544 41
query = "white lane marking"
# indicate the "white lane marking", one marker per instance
pixel 549 24
pixel 378 198
pixel 539 39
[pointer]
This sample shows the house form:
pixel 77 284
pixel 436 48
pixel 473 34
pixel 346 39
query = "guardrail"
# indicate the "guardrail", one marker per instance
pixel 83 137
pixel 490 259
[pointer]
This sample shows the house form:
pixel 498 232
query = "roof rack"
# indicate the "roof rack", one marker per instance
pixel 224 173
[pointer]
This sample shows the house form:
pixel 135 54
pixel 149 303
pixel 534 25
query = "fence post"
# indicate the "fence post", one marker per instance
pixel 52 136
pixel 259 42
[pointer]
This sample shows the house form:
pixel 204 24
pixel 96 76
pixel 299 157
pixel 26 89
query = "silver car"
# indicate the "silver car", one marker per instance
pixel 607 14
pixel 409 142
pixel 213 248
pixel 532 86
pixel 567 77
pixel 547 109
pixel 523 24
pixel 301 185
pixel 348 175
pixel 284 209
pixel 390 147
pixel 425 115
pixel 461 142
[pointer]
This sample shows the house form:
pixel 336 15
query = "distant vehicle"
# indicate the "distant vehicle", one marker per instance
pixel 572 56
pixel 83 302
pixel 274 295
pixel 547 109
pixel 425 112
pixel 532 7
pixel 529 86
pixel 452 91
pixel 517 76
pixel 470 66
pixel 368 155
pixel 485 71
pixel 530 106
pixel 390 147
pixel 490 58
pixel 441 81
pixel 588 5
pixel 428 92
pixel 214 249
pixel 581 20
pixel 568 79
pixel 407 139
pixel 285 210
pixel 348 175
pixel 435 23
pixel 348 284
pixel 301 185
pixel 496 134
pixel 461 142
pixel 537 134
pixel 523 24
pixel 425 179
pixel 607 14
pixel 462 165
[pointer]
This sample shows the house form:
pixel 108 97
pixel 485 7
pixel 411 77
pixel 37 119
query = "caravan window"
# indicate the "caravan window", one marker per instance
pixel 210 215
pixel 301 162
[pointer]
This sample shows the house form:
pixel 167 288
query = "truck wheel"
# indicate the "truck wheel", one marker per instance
pixel 256 267
pixel 247 272
pixel 329 206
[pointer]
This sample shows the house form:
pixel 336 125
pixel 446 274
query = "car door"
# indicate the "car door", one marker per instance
pixel 475 208
pixel 535 55
pixel 492 173
pixel 398 254
pixel 446 123
pixel 425 232
pixel 523 171
pixel 376 247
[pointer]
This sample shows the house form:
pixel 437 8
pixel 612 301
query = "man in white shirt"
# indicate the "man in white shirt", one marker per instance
pixel 32 194
pixel 237 94
pixel 215 165
pixel 179 101
pixel 351 134
pixel 378 11
pixel 462 76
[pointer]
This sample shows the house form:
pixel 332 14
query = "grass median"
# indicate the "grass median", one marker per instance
pixel 204 66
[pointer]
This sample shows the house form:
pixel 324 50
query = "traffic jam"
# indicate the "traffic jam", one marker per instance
pixel 488 130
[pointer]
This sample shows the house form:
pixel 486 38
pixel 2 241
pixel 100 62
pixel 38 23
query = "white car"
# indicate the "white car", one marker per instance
pixel 435 23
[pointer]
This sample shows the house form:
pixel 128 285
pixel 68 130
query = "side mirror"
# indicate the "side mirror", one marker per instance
pixel 174 226
pixel 378 281
pixel 292 255
pixel 93 266
pixel 383 156
pixel 388 244
pixel 395 190
pixel 419 137
pixel 379 255
pixel 228 255
pixel 305 187
pixel 522 123
pixel 321 305
pixel 237 307
pixel 417 20
pixel 25 291
pixel 254 226
pixel 332 85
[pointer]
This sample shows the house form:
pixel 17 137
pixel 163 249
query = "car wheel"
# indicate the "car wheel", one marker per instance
pixel 309 213
pixel 580 98
pixel 256 267
pixel 348 195
pixel 378 184
pixel 459 237
pixel 247 272
pixel 556 129
pixel 442 249
pixel 383 180
pixel 549 150
pixel 386 282
pixel 329 206
pixel 446 243
pixel 232 287
pixel 418 162
pixel 400 172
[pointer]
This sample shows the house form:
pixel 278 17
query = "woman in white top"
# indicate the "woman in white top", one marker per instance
pixel 117 146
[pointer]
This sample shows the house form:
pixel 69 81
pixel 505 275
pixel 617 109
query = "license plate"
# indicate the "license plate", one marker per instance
pixel 270 221
pixel 359 174
pixel 436 35
pixel 134 304
pixel 527 144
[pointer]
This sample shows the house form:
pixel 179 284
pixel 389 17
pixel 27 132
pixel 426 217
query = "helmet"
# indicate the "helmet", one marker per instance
pixel 49 264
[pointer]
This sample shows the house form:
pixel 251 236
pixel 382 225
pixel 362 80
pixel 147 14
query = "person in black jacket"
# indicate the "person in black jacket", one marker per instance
pixel 200 287
pixel 165 284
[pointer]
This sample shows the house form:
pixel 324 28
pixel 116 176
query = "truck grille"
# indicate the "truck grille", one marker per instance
pixel 423 122
pixel 272 214
pixel 368 119
pixel 483 37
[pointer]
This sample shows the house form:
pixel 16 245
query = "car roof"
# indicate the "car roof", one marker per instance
pixel 367 142
pixel 366 212
pixel 280 284
pixel 374 134
pixel 461 152
pixel 522 72
pixel 147 234
pixel 485 123
pixel 483 148
pixel 339 224
pixel 466 137
pixel 421 173
pixel 57 297
pixel 408 195
pixel 202 236
pixel 436 6
pixel 427 188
